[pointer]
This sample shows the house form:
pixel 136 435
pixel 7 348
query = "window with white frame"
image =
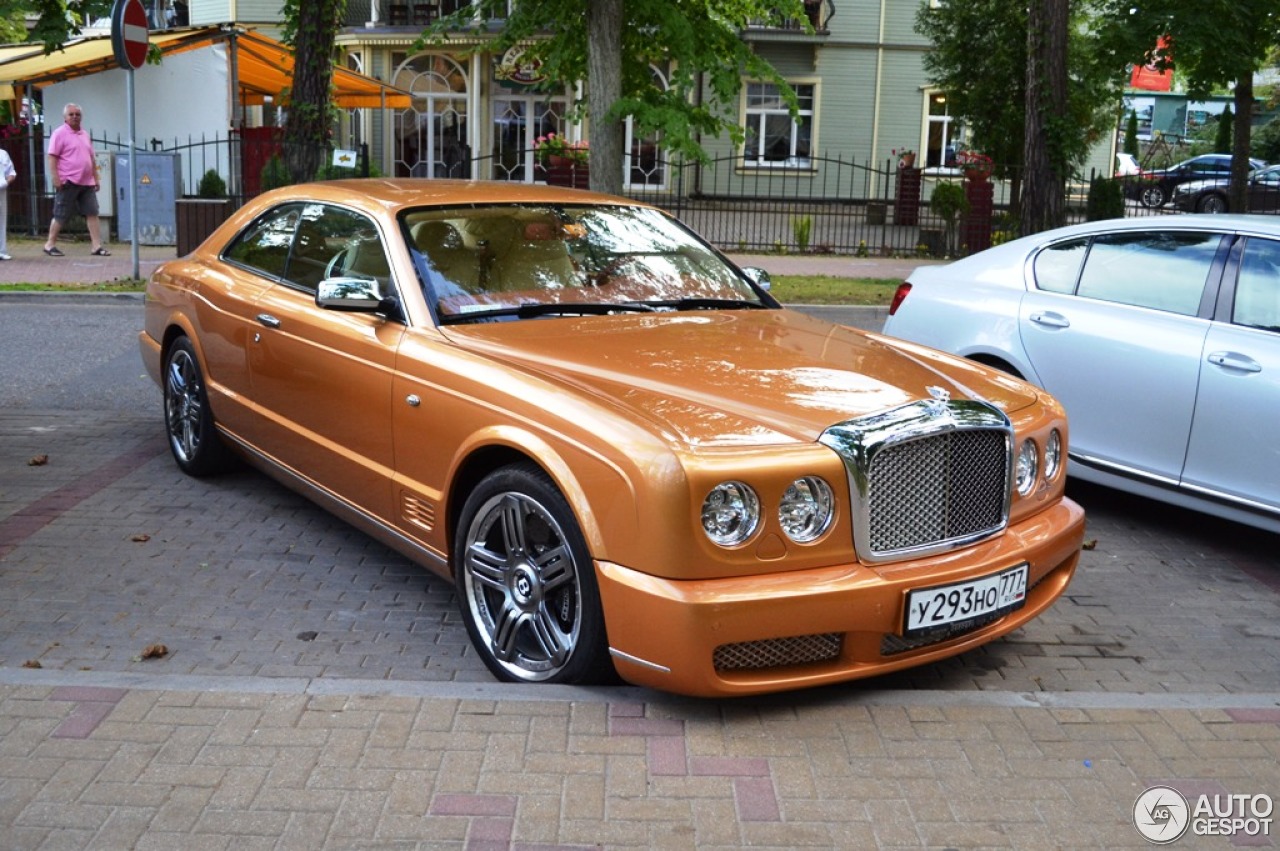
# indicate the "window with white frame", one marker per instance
pixel 774 138
pixel 946 134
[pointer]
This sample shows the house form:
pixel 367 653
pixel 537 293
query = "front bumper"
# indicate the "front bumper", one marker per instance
pixel 665 633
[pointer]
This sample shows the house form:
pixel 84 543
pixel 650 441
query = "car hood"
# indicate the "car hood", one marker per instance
pixel 712 378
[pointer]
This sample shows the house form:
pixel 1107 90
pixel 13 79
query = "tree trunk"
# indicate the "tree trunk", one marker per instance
pixel 306 129
pixel 1044 184
pixel 1238 200
pixel 604 89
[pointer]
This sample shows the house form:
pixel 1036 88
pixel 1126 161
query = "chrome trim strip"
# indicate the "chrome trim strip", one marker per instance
pixel 627 657
pixel 1175 485
pixel 858 441
pixel 341 508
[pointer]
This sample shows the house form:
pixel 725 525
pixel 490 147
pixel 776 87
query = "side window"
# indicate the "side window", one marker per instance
pixel 332 242
pixel 1162 270
pixel 264 245
pixel 1257 301
pixel 1058 266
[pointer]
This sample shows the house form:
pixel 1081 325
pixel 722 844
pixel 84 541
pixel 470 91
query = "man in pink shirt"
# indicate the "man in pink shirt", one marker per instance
pixel 75 181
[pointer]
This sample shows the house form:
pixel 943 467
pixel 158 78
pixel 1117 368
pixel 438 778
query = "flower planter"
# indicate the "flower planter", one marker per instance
pixel 567 172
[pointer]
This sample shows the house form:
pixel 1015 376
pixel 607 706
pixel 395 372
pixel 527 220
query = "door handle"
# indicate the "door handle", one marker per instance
pixel 268 320
pixel 1052 320
pixel 1234 360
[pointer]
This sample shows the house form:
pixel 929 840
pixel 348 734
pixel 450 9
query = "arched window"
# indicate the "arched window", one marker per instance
pixel 432 138
pixel 644 165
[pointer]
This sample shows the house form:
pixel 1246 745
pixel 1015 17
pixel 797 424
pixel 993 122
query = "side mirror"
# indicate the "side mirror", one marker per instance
pixel 356 294
pixel 758 276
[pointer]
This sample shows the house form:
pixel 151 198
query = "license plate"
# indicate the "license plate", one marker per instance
pixel 949 606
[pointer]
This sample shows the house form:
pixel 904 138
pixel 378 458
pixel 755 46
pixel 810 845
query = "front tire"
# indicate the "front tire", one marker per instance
pixel 1213 204
pixel 1153 196
pixel 526 582
pixel 188 419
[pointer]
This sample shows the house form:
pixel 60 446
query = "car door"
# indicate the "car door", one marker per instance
pixel 1264 191
pixel 322 378
pixel 1235 439
pixel 1120 347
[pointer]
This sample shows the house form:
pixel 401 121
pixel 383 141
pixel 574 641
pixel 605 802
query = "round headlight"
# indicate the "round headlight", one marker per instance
pixel 730 513
pixel 1053 455
pixel 806 509
pixel 1025 471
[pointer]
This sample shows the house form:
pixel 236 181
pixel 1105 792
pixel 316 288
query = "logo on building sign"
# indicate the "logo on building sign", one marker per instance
pixel 514 68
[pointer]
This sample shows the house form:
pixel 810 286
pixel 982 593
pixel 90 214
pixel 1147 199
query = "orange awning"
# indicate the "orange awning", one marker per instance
pixel 263 66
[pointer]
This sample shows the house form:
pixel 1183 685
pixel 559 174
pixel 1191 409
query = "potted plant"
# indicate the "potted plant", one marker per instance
pixel 976 167
pixel 906 157
pixel 553 149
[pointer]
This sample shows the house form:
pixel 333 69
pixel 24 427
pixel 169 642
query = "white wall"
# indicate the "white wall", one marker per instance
pixel 182 98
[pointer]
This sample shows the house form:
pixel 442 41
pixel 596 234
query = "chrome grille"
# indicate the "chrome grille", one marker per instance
pixel 778 652
pixel 938 488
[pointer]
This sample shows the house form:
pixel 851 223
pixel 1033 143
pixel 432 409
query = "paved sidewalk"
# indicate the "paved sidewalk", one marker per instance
pixel 316 691
pixel 77 266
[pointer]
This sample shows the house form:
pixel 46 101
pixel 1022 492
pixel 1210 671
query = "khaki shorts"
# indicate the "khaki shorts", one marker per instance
pixel 74 198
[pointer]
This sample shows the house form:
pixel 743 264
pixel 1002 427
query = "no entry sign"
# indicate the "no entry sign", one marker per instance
pixel 129 33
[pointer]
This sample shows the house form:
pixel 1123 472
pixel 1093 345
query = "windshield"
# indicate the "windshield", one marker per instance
pixel 520 261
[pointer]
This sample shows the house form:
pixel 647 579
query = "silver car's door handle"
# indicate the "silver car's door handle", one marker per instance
pixel 268 320
pixel 1053 320
pixel 1234 360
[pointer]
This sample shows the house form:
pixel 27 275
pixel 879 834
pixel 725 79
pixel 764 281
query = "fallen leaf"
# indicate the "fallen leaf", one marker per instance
pixel 1089 545
pixel 32 663
pixel 38 461
pixel 154 651
pixel 140 539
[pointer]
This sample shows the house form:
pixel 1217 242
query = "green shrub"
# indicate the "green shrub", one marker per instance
pixel 949 201
pixel 275 174
pixel 801 229
pixel 212 185
pixel 1105 201
pixel 1225 131
pixel 1131 134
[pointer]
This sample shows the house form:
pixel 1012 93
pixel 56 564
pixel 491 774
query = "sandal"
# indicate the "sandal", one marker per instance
pixel 100 252
pixel 54 252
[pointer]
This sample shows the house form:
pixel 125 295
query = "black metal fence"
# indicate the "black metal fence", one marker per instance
pixel 821 205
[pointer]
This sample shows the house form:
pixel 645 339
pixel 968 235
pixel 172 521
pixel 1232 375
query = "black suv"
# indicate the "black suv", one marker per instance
pixel 1154 188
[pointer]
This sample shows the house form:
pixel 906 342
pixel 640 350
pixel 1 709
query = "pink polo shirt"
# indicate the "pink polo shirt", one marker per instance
pixel 74 153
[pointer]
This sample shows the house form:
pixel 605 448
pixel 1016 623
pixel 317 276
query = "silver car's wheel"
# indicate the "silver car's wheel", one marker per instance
pixel 188 419
pixel 526 584
pixel 1213 203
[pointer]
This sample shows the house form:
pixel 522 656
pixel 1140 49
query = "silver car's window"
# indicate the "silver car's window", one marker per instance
pixel 264 244
pixel 332 242
pixel 512 260
pixel 1257 301
pixel 1162 270
pixel 1058 266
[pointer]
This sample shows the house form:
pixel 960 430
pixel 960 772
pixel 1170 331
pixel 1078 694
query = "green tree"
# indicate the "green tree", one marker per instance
pixel 1211 43
pixel 310 117
pixel 980 59
pixel 56 21
pixel 602 40
pixel 1131 134
pixel 1222 138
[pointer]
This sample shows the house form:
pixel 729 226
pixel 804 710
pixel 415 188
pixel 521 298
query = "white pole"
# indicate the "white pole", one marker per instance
pixel 133 179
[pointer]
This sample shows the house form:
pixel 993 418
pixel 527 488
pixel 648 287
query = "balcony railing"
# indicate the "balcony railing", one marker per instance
pixel 818 14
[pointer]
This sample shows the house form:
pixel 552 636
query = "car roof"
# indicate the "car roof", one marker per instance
pixel 395 194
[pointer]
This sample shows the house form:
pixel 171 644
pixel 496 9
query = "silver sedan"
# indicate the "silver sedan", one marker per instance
pixel 1161 337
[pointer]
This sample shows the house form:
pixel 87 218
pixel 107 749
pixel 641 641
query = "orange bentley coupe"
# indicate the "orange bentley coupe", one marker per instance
pixel 629 459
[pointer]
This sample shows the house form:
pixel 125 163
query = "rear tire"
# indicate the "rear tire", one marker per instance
pixel 1153 196
pixel 188 418
pixel 526 583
